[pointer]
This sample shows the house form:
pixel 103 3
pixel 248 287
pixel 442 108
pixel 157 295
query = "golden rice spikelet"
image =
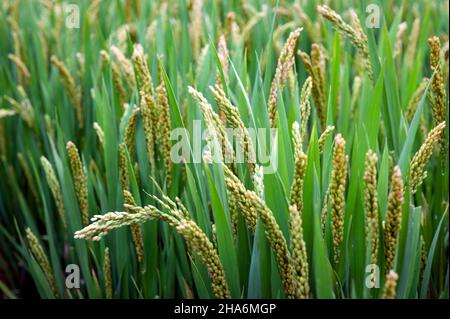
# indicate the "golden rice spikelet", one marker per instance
pixel 353 33
pixel 79 181
pixel 356 90
pixel 399 39
pixel 315 67
pixel 424 257
pixel 24 108
pixel 371 204
pixel 258 181
pixel 415 99
pixel 125 65
pixel 243 198
pixel 195 27
pixel 393 218
pixel 204 249
pixel 420 159
pixel 100 134
pixel 286 61
pixel 117 81
pixel 222 53
pixel 196 240
pixel 55 188
pixel 21 67
pixel 107 275
pixel 279 247
pixel 201 60
pixel 232 28
pixel 439 102
pixel 102 224
pixel 233 117
pixel 136 230
pixel 216 130
pixel 437 84
pixel 323 137
pixel 298 247
pixel 164 125
pixel 318 69
pixel 412 42
pixel 147 106
pixel 337 193
pixel 305 106
pixel 130 132
pixel 296 197
pixel 296 139
pixel 73 91
pixel 250 205
pixel 42 260
pixel 123 166
pixel 390 285
pixel 324 213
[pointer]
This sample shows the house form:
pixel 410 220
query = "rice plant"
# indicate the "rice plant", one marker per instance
pixel 224 149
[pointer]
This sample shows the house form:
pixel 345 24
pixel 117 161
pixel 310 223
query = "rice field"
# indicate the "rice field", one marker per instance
pixel 224 149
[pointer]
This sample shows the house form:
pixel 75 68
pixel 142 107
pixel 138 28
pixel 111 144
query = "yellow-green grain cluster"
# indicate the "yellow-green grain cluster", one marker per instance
pixel 337 193
pixel 323 137
pixel 163 125
pixel 315 66
pixel 123 166
pixel 415 99
pixel 125 65
pixel 79 181
pixel 244 199
pixel 21 67
pixel 298 247
pixel 233 118
pixel 222 53
pixel 196 239
pixel 130 132
pixel 100 134
pixel 300 160
pixel 393 218
pixel 422 156
pixel 73 91
pixel 216 130
pixel 438 85
pixel 285 63
pixel 147 103
pixel 305 106
pixel 390 285
pixel 251 206
pixel 116 77
pixel 55 188
pixel 107 274
pixel 353 32
pixel 136 230
pixel 42 259
pixel 371 205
